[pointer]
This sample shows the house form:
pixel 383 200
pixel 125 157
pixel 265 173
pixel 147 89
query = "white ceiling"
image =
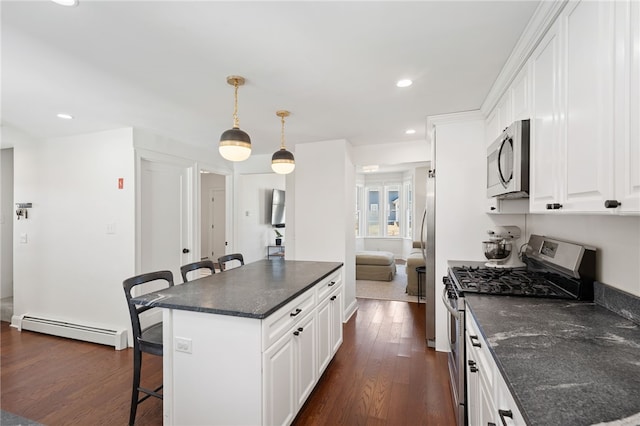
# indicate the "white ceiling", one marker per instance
pixel 162 66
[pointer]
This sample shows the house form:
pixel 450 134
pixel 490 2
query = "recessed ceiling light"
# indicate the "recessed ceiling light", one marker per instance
pixel 65 116
pixel 369 169
pixel 66 2
pixel 410 131
pixel 404 83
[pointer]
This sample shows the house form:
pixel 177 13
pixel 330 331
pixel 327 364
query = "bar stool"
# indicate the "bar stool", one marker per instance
pixel 228 258
pixel 148 340
pixel 202 264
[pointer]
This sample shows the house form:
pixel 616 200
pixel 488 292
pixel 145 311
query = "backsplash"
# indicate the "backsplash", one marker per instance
pixel 617 301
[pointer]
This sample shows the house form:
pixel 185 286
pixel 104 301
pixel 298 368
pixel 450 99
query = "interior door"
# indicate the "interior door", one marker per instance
pixel 217 219
pixel 165 224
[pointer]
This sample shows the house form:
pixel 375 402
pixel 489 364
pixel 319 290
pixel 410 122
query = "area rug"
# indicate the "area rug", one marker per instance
pixel 386 290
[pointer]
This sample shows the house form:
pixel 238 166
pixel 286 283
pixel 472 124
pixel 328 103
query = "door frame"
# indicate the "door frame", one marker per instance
pixel 154 157
pixel 193 197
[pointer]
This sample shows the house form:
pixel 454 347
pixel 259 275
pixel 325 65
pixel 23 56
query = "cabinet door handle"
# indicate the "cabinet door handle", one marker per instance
pixel 503 414
pixel 333 297
pixel 331 284
pixel 475 342
pixel 554 206
pixel 471 363
pixel 300 329
pixel 296 333
pixel 293 314
pixel 473 369
pixel 612 204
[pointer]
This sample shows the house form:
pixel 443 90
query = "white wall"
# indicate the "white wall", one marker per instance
pixel 617 239
pixel 254 214
pixel 391 153
pixel 460 200
pixel 323 208
pixel 7 217
pixel 71 269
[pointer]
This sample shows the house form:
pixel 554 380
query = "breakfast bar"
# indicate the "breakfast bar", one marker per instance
pixel 248 345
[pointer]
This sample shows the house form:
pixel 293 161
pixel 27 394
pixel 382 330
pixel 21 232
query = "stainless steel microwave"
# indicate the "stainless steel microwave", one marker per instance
pixel 508 163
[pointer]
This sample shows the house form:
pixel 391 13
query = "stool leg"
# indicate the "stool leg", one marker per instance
pixel 137 367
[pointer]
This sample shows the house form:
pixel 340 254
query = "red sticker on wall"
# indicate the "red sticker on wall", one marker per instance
pixel 120 183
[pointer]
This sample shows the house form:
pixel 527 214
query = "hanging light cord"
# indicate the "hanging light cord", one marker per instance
pixel 236 121
pixel 282 134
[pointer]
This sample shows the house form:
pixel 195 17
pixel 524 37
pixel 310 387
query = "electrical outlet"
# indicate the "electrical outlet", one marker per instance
pixel 183 344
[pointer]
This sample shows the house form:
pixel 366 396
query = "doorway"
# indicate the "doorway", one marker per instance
pixel 213 242
pixel 7 215
pixel 165 216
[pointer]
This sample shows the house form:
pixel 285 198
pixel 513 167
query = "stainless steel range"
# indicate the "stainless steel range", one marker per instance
pixel 554 269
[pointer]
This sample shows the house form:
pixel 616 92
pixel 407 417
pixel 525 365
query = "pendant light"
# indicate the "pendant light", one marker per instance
pixel 282 161
pixel 235 144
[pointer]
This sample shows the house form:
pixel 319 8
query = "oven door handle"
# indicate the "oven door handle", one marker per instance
pixel 445 300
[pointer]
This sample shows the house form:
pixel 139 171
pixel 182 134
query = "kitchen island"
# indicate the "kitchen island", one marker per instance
pixel 247 346
pixel 565 362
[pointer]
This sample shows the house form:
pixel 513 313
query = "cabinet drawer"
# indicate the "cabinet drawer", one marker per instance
pixel 278 323
pixel 327 285
pixel 480 351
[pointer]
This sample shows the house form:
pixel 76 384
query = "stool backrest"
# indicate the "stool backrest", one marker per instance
pixel 228 258
pixel 134 310
pixel 202 264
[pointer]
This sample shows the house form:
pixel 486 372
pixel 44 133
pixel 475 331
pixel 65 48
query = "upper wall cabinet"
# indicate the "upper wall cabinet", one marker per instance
pixel 574 104
pixel 514 105
pixel 627 125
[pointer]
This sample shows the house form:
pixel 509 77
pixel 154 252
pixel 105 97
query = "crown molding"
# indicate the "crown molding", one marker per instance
pixel 542 19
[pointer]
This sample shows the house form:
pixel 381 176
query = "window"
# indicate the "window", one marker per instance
pixel 373 212
pixel 358 218
pixel 393 219
pixel 383 209
pixel 408 216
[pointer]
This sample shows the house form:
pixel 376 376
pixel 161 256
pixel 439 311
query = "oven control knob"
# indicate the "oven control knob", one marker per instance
pixel 612 204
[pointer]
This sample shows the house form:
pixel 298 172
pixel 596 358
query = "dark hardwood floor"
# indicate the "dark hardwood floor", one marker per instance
pixel 383 374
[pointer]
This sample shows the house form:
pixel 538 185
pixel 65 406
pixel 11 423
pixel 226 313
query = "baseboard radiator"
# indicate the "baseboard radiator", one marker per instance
pixel 115 338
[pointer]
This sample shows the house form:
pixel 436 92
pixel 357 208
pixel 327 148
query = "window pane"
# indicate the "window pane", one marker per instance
pixel 393 220
pixel 409 208
pixel 373 214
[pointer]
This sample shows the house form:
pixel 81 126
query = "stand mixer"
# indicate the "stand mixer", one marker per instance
pixel 499 248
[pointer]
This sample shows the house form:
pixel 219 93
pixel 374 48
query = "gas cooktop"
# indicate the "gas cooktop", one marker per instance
pixel 554 269
pixel 511 282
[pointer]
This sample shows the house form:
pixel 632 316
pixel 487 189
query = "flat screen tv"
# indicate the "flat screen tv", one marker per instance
pixel 277 208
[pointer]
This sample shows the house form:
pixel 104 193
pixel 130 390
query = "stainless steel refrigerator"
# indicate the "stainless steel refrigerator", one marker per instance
pixel 428 240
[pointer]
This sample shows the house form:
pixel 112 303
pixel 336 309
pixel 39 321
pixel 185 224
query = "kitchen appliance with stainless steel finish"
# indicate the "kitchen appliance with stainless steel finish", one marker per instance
pixel 508 163
pixel 554 269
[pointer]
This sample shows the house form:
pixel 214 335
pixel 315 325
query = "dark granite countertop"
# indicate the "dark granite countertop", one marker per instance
pixel 566 362
pixel 255 290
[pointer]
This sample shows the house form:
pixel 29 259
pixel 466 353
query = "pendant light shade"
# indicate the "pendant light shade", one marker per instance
pixel 282 161
pixel 235 144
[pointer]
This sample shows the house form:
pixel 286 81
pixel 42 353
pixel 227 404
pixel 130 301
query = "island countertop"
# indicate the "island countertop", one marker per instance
pixel 566 362
pixel 254 290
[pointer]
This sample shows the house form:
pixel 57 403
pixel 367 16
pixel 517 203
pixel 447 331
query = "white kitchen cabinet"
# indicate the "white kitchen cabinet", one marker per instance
pixel 242 370
pixel 290 372
pixel 489 400
pixel 520 91
pixel 544 150
pixel 329 321
pixel 627 140
pixel 514 105
pixel 576 159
